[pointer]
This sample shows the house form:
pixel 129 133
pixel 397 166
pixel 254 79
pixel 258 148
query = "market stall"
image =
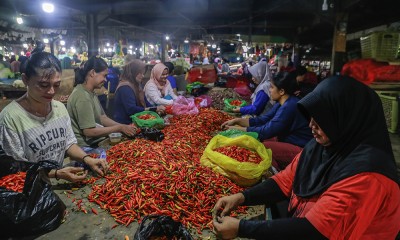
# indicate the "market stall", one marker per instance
pixel 148 177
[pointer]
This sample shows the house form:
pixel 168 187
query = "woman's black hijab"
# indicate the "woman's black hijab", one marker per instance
pixel 351 115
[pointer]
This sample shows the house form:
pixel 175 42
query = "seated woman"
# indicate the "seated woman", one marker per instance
pixel 344 184
pixel 89 121
pixel 129 96
pixel 35 127
pixel 306 81
pixel 171 78
pixel 283 128
pixel 261 101
pixel 158 90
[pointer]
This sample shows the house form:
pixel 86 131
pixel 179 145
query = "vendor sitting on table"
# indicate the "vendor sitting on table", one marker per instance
pixel 36 127
pixel 260 99
pixel 158 90
pixel 129 96
pixel 89 121
pixel 283 128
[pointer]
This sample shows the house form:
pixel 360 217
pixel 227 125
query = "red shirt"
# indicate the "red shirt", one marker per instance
pixel 364 206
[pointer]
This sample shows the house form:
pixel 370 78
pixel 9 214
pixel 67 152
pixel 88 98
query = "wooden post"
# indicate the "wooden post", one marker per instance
pixel 339 43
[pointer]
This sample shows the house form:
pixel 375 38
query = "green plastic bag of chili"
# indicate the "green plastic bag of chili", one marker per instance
pixel 232 133
pixel 148 119
pixel 230 103
pixel 190 86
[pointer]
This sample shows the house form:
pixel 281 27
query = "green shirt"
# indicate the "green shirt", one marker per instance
pixel 85 110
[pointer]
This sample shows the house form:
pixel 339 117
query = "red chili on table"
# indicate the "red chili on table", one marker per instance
pixel 166 177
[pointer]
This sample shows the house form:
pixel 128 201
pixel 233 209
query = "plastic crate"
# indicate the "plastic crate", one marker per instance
pixel 382 46
pixel 390 104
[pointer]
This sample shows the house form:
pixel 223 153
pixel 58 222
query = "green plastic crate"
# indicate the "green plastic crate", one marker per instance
pixel 390 104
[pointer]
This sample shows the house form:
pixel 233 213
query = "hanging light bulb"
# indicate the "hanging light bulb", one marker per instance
pixel 48 7
pixel 20 20
pixel 325 5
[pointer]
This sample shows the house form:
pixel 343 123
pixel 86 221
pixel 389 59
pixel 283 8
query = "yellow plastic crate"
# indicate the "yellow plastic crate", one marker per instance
pixel 382 46
pixel 390 104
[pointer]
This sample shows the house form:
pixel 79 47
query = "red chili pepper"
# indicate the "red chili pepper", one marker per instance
pixel 166 177
pixel 94 211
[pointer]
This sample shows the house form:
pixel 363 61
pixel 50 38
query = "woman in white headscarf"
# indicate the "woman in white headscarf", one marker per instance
pixel 261 100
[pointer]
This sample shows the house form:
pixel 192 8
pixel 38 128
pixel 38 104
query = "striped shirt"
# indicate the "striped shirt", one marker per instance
pixel 27 137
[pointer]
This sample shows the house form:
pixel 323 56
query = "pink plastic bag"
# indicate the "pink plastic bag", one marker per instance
pixel 184 105
pixel 203 101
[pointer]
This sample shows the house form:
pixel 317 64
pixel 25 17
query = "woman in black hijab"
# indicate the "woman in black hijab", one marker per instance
pixel 343 185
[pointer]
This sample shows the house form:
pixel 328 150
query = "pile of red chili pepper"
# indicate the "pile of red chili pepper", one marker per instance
pixel 14 182
pixel 166 177
pixel 240 154
pixel 235 102
pixel 146 117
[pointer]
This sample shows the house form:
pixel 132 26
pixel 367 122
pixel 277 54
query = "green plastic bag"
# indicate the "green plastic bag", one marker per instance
pixel 242 173
pixel 232 133
pixel 229 107
pixel 190 86
pixel 157 122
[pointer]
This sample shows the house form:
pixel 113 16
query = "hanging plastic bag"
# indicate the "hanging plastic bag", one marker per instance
pixel 242 173
pixel 37 210
pixel 184 105
pixel 147 119
pixel 156 226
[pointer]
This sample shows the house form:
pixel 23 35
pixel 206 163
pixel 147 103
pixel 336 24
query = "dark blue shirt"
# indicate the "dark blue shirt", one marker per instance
pixel 283 121
pixel 112 79
pixel 258 106
pixel 172 81
pixel 125 105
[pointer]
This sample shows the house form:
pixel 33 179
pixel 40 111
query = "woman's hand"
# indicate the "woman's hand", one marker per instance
pixel 128 130
pixel 72 174
pixel 231 122
pixel 228 204
pixel 226 227
pixel 236 109
pixel 160 109
pixel 243 129
pixel 98 165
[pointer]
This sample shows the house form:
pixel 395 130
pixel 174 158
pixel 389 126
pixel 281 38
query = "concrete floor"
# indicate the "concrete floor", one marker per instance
pixel 81 226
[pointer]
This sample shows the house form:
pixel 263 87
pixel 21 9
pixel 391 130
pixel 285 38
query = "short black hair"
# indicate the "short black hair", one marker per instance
pixel 170 67
pixel 286 81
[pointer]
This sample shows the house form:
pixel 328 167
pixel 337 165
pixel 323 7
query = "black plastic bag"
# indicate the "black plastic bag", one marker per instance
pixel 197 91
pixel 36 210
pixel 161 226
pixel 8 165
pixel 152 134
